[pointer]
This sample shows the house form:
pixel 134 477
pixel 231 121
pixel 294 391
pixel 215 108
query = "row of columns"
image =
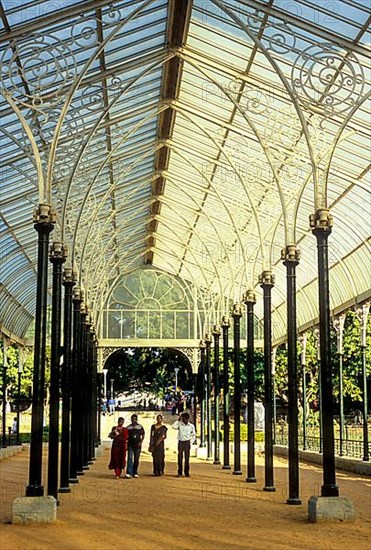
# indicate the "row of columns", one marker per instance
pixel 80 427
pixel 73 373
pixel 321 223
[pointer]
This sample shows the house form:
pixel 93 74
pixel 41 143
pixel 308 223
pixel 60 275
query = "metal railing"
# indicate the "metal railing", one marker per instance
pixel 347 447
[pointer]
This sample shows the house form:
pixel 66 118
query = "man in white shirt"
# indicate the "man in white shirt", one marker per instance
pixel 186 436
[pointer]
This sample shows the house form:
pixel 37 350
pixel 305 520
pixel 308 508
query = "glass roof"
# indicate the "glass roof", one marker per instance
pixel 196 137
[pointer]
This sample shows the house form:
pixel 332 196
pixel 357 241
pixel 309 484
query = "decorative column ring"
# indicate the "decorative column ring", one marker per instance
pixel 237 314
pixel 321 224
pixel 290 256
pixel 58 255
pixel 216 334
pixel 225 328
pixel 249 300
pixel 44 220
pixel 208 341
pixel 266 281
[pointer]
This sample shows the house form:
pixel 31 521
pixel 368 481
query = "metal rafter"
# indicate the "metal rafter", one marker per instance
pixel 179 14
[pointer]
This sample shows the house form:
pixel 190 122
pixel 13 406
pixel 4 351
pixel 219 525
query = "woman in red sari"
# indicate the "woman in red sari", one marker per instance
pixel 119 434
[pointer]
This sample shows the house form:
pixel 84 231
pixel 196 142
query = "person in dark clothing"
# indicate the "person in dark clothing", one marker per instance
pixel 135 438
pixel 157 445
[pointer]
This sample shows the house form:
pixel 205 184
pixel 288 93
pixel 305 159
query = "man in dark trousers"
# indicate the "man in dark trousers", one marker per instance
pixel 136 436
pixel 186 436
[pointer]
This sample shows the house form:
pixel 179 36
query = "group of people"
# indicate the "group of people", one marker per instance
pixel 127 442
pixel 177 402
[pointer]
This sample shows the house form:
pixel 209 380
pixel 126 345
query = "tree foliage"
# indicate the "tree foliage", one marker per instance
pixel 150 369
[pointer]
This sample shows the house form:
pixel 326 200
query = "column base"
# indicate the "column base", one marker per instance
pixel 80 473
pixel 34 491
pixel 90 462
pixel 26 510
pixel 293 501
pixel 216 462
pixel 330 509
pixel 226 467
pixel 237 472
pixel 73 480
pixel 64 490
pixel 269 489
pixel 85 467
pixel 251 480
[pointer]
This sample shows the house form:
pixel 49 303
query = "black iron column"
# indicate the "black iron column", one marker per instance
pixel 58 254
pixel 208 341
pixel 75 388
pixel 85 328
pixel 195 401
pixel 225 328
pixel 290 256
pixel 203 395
pixel 94 397
pixel 266 280
pixel 99 407
pixel 362 314
pixel 90 391
pixel 20 370
pixel 216 334
pixel 44 219
pixel 339 328
pixel 69 281
pixel 4 378
pixel 250 300
pixel 236 314
pixel 321 223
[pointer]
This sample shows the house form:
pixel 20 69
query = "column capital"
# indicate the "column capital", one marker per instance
pixel 249 297
pixel 267 278
pixel 58 252
pixel 84 310
pixel 77 294
pixel 202 345
pixel 44 217
pixel 236 311
pixel 208 339
pixel 69 276
pixel 225 322
pixel 216 331
pixel 88 318
pixel 321 221
pixel 290 253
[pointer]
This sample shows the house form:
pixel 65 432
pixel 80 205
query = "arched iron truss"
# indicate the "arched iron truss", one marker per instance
pixel 196 141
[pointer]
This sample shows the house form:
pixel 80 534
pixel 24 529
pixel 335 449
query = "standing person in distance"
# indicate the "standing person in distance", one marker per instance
pixel 186 436
pixel 136 436
pixel 157 445
pixel 119 434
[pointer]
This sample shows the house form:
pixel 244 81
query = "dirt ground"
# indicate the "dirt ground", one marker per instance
pixel 210 510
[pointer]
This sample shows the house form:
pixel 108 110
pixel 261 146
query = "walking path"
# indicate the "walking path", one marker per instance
pixel 211 510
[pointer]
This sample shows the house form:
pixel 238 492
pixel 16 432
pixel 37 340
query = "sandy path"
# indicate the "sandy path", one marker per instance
pixel 211 510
